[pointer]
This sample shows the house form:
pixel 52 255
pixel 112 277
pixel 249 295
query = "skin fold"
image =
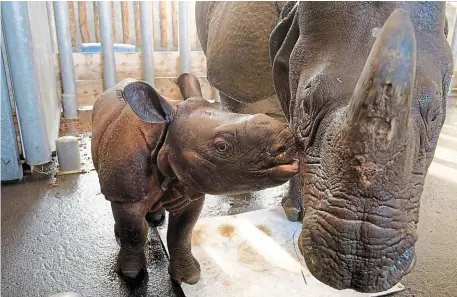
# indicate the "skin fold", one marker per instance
pixel 152 155
pixel 363 86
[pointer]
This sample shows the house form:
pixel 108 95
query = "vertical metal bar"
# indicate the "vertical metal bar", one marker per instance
pixel 11 164
pixel 106 35
pixel 19 46
pixel 148 42
pixel 69 99
pixel 184 37
pixel 52 26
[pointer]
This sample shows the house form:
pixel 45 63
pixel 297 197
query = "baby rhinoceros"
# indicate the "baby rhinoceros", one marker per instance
pixel 153 154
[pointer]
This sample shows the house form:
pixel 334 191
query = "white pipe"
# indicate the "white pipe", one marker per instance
pixel 147 41
pixel 24 76
pixel 106 36
pixel 184 37
pixel 69 99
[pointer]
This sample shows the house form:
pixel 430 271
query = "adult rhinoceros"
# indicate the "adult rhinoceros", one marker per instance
pixel 363 86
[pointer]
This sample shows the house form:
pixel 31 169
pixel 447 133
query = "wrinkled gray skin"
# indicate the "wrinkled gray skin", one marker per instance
pixel 240 68
pixel 152 154
pixel 367 117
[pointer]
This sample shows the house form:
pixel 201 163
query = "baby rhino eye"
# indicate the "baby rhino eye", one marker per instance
pixel 220 144
pixel 222 147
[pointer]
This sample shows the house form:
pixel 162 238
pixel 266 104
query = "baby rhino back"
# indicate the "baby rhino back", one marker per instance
pixel 122 146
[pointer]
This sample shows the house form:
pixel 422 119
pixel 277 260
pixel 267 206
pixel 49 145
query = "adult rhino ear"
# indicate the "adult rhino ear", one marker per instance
pixel 189 86
pixel 147 104
pixel 282 42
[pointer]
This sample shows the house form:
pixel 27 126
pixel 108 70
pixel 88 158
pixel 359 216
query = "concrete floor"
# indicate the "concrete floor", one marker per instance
pixel 59 237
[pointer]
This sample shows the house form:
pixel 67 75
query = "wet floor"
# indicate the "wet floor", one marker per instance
pixel 59 237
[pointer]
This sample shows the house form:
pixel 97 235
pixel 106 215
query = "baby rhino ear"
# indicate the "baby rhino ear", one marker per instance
pixel 147 104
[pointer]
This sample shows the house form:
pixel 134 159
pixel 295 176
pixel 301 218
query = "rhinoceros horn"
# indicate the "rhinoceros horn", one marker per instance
pixel 377 117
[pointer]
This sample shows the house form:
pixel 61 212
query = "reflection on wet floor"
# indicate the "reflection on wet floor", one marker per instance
pixel 230 205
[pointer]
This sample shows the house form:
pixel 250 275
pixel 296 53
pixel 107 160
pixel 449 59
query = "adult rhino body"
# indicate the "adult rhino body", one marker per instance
pixel 366 114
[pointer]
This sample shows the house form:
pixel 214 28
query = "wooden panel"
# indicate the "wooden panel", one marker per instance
pixel 83 21
pixel 174 21
pixel 113 21
pixel 125 22
pixel 163 24
pixel 88 90
pixel 96 22
pixel 88 66
pixel 71 16
pixel 136 16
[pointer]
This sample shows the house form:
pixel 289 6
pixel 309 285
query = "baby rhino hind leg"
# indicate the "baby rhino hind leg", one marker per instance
pixel 132 229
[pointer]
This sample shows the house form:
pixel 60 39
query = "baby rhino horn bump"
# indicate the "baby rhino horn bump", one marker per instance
pixel 378 112
pixel 189 86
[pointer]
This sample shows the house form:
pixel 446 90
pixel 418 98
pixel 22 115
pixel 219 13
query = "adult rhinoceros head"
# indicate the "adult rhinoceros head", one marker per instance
pixel 364 87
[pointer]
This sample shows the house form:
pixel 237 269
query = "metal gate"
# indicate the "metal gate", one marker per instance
pixel 29 90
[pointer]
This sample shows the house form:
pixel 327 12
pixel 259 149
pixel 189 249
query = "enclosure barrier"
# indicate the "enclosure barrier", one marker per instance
pixel 69 99
pixel 24 75
pixel 154 41
pixel 109 68
pixel 148 48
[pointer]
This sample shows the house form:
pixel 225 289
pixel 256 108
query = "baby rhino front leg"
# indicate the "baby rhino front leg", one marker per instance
pixel 183 266
pixel 132 229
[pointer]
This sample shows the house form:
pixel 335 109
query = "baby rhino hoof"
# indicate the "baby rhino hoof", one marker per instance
pixel 293 213
pixel 131 263
pixel 156 218
pixel 183 272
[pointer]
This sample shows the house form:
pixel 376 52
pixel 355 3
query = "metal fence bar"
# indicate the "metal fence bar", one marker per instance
pixel 184 37
pixel 148 41
pixel 18 40
pixel 106 34
pixel 11 164
pixel 69 99
pixel 52 26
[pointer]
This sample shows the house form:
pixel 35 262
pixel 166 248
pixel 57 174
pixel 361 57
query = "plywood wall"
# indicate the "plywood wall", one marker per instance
pixel 89 73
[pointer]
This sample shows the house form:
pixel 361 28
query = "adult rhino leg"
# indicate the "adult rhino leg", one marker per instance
pixel 292 203
pixel 132 230
pixel 183 266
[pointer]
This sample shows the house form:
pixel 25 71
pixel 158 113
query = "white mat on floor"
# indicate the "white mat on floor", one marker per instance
pixel 254 254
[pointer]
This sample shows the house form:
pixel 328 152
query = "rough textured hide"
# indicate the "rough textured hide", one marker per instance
pixel 363 161
pixel 238 64
pixel 152 154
